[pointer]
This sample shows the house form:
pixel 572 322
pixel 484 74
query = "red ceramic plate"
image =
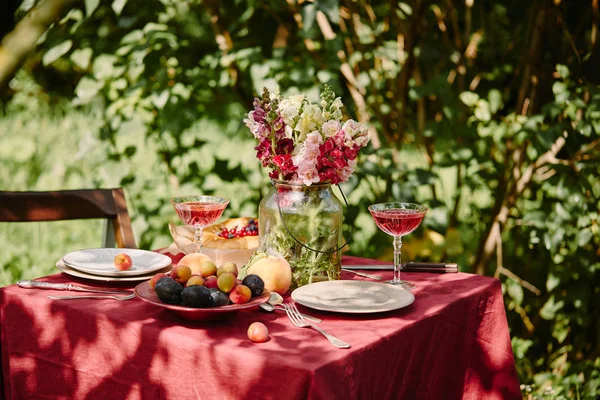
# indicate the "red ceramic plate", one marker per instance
pixel 147 294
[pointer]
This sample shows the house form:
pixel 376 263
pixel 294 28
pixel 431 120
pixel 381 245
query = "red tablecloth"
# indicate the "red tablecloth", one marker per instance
pixel 452 342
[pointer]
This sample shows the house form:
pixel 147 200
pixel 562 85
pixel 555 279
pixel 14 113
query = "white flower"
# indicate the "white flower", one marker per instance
pixel 310 120
pixel 252 125
pixel 353 128
pixel 330 128
pixel 289 131
pixel 337 103
pixel 290 108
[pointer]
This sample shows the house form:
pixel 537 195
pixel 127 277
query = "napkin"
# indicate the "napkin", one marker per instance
pixel 183 239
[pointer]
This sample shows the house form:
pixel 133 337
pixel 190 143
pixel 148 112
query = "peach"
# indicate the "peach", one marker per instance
pixel 240 294
pixel 181 274
pixel 258 332
pixel 226 282
pixel 274 271
pixel 195 280
pixel 154 280
pixel 229 266
pixel 123 261
pixel 194 261
pixel 211 281
pixel 208 268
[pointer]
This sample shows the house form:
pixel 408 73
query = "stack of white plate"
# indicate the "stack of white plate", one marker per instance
pixel 98 264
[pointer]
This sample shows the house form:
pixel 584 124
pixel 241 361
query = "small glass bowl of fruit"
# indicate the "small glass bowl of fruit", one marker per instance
pixel 235 239
pixel 213 294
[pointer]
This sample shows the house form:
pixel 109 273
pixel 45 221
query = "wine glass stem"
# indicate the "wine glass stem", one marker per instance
pixel 198 238
pixel 397 257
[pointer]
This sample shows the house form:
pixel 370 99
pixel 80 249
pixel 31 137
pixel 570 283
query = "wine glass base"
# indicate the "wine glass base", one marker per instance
pixel 404 284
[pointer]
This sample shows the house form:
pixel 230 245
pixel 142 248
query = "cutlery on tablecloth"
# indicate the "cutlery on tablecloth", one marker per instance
pixel 270 308
pixel 371 276
pixel 129 297
pixel 62 286
pixel 298 321
pixel 410 267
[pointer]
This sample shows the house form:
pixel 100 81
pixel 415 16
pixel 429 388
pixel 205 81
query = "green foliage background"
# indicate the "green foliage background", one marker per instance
pixel 487 112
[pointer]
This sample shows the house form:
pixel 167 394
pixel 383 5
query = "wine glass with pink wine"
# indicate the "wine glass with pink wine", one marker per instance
pixel 398 219
pixel 198 212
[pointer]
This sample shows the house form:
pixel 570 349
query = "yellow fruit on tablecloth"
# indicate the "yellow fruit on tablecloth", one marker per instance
pixel 194 261
pixel 275 272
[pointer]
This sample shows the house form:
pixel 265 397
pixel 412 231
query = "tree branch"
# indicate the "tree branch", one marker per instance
pixel 17 45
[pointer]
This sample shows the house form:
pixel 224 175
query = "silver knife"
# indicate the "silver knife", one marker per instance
pixel 362 274
pixel 410 267
pixel 62 286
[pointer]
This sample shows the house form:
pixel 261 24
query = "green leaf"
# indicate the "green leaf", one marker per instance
pixel 515 291
pixel 90 6
pixel 159 100
pixel 469 98
pixel 309 15
pixel 584 236
pixel 563 70
pixel 331 8
pixel 495 100
pixel 87 88
pixel 550 308
pixel 405 9
pixel 118 6
pixel 56 52
pixel 81 57
pixel 552 282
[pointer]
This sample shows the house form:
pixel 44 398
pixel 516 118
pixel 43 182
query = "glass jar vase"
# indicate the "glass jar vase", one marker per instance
pixel 303 224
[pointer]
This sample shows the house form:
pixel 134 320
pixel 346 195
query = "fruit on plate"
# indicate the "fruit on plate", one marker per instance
pixel 219 298
pixel 234 233
pixel 254 283
pixel 226 282
pixel 240 294
pixel 211 281
pixel 168 291
pixel 229 266
pixel 123 261
pixel 208 268
pixel 258 332
pixel 194 261
pixel 154 280
pixel 275 272
pixel 197 295
pixel 181 274
pixel 195 280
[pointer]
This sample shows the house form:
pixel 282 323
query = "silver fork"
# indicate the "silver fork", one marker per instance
pixel 298 321
pixel 129 297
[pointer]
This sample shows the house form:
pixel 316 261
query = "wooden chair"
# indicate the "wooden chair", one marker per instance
pixel 73 204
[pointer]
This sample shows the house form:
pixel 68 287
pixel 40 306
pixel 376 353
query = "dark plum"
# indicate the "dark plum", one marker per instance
pixel 196 296
pixel 219 298
pixel 255 284
pixel 168 291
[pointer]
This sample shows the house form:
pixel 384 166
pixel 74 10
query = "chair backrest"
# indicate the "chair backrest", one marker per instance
pixel 72 204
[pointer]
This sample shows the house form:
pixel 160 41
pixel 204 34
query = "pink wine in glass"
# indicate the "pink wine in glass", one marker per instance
pixel 398 222
pixel 199 211
pixel 398 219
pixel 199 214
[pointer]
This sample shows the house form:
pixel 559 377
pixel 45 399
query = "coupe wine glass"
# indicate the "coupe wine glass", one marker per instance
pixel 198 212
pixel 398 219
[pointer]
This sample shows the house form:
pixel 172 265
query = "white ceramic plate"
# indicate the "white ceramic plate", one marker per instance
pixel 78 274
pixel 101 261
pixel 356 297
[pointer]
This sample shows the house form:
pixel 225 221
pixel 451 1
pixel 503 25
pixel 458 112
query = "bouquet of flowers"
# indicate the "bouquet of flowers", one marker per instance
pixel 303 142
